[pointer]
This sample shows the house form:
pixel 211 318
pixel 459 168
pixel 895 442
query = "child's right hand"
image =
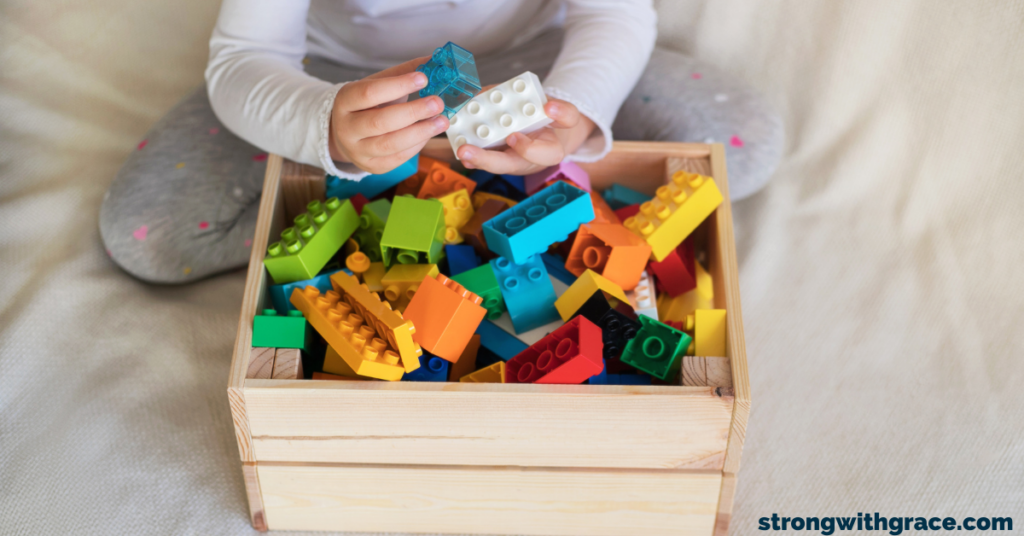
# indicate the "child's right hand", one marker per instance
pixel 374 127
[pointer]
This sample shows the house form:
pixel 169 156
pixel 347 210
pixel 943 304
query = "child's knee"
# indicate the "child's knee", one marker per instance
pixel 135 246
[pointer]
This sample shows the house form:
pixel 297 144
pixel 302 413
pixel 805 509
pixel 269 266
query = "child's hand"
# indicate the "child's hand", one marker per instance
pixel 529 153
pixel 374 127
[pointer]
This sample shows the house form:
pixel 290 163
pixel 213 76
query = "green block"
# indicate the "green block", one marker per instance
pixel 305 248
pixel 371 228
pixel 414 232
pixel 482 282
pixel 657 349
pixel 271 330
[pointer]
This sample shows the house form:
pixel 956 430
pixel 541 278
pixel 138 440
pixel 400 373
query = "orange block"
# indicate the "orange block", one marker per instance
pixel 603 213
pixel 467 361
pixel 445 316
pixel 610 250
pixel 479 198
pixel 441 181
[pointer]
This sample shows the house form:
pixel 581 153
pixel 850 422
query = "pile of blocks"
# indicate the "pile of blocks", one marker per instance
pixel 427 273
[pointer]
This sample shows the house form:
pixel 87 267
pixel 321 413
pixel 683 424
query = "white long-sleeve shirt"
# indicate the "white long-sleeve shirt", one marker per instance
pixel 258 89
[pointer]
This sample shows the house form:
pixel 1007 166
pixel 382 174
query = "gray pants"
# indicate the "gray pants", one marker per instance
pixel 184 204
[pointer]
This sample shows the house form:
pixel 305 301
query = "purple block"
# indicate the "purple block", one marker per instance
pixel 566 170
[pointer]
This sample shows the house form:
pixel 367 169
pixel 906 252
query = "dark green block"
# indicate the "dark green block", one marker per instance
pixel 271 330
pixel 657 349
pixel 482 282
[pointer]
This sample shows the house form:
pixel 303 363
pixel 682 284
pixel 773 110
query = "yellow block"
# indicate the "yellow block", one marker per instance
pixel 494 373
pixel 372 277
pixel 583 288
pixel 387 323
pixel 676 210
pixel 705 284
pixel 402 280
pixel 334 364
pixel 676 309
pixel 709 332
pixel 458 209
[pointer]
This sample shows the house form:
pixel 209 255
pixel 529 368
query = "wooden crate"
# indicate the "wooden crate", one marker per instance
pixel 495 458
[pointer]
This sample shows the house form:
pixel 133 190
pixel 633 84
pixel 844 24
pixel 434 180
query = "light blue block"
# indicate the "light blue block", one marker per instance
pixel 280 295
pixel 371 185
pixel 432 369
pixel 500 342
pixel 451 75
pixel 538 221
pixel 527 291
pixel 619 196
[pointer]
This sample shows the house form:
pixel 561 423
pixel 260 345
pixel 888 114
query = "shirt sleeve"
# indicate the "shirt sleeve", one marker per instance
pixel 607 45
pixel 257 86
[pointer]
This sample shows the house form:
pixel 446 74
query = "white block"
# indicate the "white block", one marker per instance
pixel 488 118
pixel 644 302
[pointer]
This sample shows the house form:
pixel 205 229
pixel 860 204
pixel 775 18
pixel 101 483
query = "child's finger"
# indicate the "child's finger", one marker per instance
pixel 565 114
pixel 378 121
pixel 383 164
pixel 543 151
pixel 367 93
pixel 497 162
pixel 401 140
pixel 401 68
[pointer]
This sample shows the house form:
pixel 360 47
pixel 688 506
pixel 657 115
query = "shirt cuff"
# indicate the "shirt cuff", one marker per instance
pixel 599 143
pixel 338 169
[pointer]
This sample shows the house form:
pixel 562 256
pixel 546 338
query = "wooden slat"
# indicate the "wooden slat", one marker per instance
pixel 487 500
pixel 694 371
pixel 719 373
pixel 725 501
pixel 255 497
pixel 236 400
pixel 288 364
pixel 300 184
pixel 261 364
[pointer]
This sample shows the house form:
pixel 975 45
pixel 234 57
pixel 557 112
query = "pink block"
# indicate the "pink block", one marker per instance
pixel 566 170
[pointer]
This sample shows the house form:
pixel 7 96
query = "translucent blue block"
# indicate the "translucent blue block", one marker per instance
pixel 619 379
pixel 371 185
pixel 538 221
pixel 619 196
pixel 497 341
pixel 451 75
pixel 432 369
pixel 281 294
pixel 527 291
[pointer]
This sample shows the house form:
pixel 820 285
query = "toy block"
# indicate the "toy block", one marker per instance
pixel 694 371
pixel 602 212
pixel 371 185
pixel 643 297
pixel 516 105
pixel 402 280
pixel 334 364
pixel 586 284
pixel 272 330
pixel 371 228
pixel 499 341
pixel 610 250
pixel 657 349
pixel 445 315
pixel 676 210
pixel 341 325
pixel 708 327
pixel 676 274
pixel 556 267
pixel 457 212
pixel 441 181
pixel 466 363
pixel 358 202
pixel 627 212
pixel 510 186
pixel 451 75
pixel 675 309
pixel 494 373
pixel 373 276
pixel 480 197
pixel 565 171
pixel 357 263
pixel 619 196
pixel 305 248
pixel 414 233
pixel 540 220
pixel 569 355
pixel 719 371
pixel 386 323
pixel 705 285
pixel 261 363
pixel 287 364
pixel 335 377
pixel 432 369
pixel 482 282
pixel 527 291
pixel 461 258
pixel 605 378
pixel 279 294
pixel 616 328
pixel 473 232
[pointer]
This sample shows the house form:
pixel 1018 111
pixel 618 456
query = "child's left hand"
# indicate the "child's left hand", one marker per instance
pixel 530 153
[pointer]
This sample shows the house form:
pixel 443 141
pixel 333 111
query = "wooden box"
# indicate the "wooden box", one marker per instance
pixel 495 458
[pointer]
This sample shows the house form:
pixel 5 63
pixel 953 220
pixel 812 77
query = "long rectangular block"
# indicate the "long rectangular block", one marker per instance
pixel 371 186
pixel 387 323
pixel 538 221
pixel 569 355
pixel 516 105
pixel 676 210
pixel 499 341
pixel 317 235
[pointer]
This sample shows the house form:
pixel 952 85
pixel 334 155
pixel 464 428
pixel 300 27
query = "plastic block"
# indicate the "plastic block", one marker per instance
pixel 585 286
pixel 373 276
pixel 556 268
pixel 482 282
pixel 604 378
pixel 566 171
pixel 619 196
pixel 335 365
pixel 402 280
pixel 386 323
pixel 305 248
pixel 610 250
pixel 643 298
pixel 675 309
pixel 280 294
pixel 467 361
pixel 461 258
pixel 626 212
pixel 602 212
pixel 480 197
pixel 451 75
pixel 457 212
pixel 516 105
pixel 657 349
pixel 705 284
pixel 432 369
pixel 676 210
pixel 371 228
pixel 358 202
pixel 344 330
pixel 569 355
pixel 676 273
pixel 616 328
pixel 271 330
pixel 494 373
pixel 708 326
pixel 371 186
pixel 482 178
pixel 441 181
pixel 414 233
pixel 499 341
pixel 538 221
pixel 473 232
pixel 445 315
pixel 527 291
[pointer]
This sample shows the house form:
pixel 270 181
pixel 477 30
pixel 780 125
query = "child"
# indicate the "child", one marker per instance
pixel 184 205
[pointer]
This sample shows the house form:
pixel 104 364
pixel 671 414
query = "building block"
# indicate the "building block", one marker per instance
pixel 643 297
pixel 414 233
pixel 386 323
pixel 355 342
pixel 451 75
pixel 604 378
pixel 317 235
pixel 441 181
pixel 511 186
pixel 482 282
pixel 538 221
pixel 657 349
pixel 261 363
pixel 602 212
pixel 371 185
pixel 480 197
pixel 461 258
pixel 499 341
pixel 619 196
pixel 272 330
pixel 527 291
pixel 466 363
pixel 334 364
pixel 705 284
pixel 357 263
pixel 569 355
pixel 675 309
pixel 556 267
pixel 676 210
pixel 627 211
pixel 494 373
pixel 358 202
pixel 457 211
pixel 287 364
pixel 432 369
pixel 402 280
pixel 565 171
pixel 279 294
pixel 373 276
pixel 516 105
pixel 473 232
pixel 445 315
pixel 616 328
pixel 610 250
pixel 676 273
pixel 586 284
pixel 371 228
pixel 708 326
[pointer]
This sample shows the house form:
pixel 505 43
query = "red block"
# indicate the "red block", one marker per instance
pixel 677 272
pixel 568 355
pixel 358 201
pixel 626 212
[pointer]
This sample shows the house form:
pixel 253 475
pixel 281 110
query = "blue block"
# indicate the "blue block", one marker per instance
pixel 498 341
pixel 371 185
pixel 619 379
pixel 619 196
pixel 451 75
pixel 281 294
pixel 556 268
pixel 432 369
pixel 461 258
pixel 510 186
pixel 538 221
pixel 527 291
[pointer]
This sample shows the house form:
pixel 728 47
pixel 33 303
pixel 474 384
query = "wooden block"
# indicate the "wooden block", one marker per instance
pixel 288 364
pixel 725 500
pixel 255 496
pixel 694 371
pixel 261 363
pixel 719 372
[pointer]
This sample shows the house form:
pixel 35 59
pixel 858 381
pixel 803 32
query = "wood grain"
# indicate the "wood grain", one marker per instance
pixel 300 184
pixel 236 400
pixel 694 371
pixel 725 502
pixel 288 364
pixel 719 373
pixel 255 497
pixel 261 364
